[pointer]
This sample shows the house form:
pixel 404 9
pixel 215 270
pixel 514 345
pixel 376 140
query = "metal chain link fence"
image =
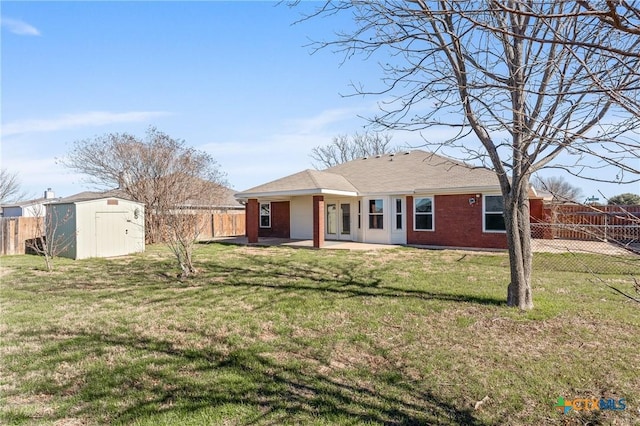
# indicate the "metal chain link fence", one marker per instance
pixel 603 241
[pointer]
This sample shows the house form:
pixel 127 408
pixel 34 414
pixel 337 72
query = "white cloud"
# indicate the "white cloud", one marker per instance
pixel 86 119
pixel 16 26
pixel 324 119
pixel 37 174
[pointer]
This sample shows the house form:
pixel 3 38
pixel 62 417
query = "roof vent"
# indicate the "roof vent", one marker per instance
pixel 406 152
pixel 364 158
pixel 392 154
pixel 378 156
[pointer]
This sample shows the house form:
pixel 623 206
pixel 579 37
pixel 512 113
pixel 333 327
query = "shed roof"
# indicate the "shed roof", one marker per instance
pixel 223 199
pixel 93 195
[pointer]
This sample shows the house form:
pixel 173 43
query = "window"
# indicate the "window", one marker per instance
pixel 493 213
pixel 376 214
pixel 423 216
pixel 345 209
pixel 265 215
pixel 331 219
pixel 398 213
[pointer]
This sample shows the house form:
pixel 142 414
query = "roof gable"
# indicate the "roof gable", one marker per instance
pixel 305 182
pixel 400 173
pixel 413 171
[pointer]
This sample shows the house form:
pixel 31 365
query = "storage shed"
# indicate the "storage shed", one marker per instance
pixel 93 224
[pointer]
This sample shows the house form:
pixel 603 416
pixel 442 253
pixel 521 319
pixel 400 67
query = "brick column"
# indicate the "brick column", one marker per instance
pixel 318 221
pixel 252 220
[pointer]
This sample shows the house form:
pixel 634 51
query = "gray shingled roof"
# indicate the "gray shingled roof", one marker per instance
pixel 26 203
pixel 310 181
pixel 224 199
pixel 405 172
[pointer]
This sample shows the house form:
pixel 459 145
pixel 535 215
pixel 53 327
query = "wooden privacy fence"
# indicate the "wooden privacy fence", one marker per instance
pixel 15 231
pixel 229 223
pixel 221 223
pixel 590 223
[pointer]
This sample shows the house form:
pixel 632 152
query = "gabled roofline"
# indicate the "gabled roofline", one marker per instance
pixel 295 193
pixel 92 199
pixel 323 191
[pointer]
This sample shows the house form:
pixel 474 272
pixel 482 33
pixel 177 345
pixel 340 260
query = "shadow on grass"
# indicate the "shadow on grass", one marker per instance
pixel 121 377
pixel 349 280
pixel 341 276
pixel 155 378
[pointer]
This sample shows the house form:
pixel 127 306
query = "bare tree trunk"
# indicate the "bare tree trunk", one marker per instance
pixel 516 215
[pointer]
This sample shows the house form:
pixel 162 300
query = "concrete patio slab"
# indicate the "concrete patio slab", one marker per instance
pixel 330 245
pixel 537 246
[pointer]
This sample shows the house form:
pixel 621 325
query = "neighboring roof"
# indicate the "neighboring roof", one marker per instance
pixel 27 203
pixel 229 200
pixel 220 197
pixel 400 173
pixel 92 195
pixel 225 199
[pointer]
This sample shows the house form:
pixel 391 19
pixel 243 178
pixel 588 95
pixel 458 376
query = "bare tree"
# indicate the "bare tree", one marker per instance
pixel 344 148
pixel 165 174
pixel 507 76
pixel 619 20
pixel 183 215
pixel 621 15
pixel 50 239
pixel 9 186
pixel 559 188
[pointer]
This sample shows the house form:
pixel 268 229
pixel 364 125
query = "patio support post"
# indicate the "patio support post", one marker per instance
pixel 253 220
pixel 318 221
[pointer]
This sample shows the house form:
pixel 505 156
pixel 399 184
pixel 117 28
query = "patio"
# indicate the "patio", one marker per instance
pixel 537 245
pixel 328 244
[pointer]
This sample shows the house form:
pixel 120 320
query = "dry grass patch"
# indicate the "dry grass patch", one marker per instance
pixel 291 336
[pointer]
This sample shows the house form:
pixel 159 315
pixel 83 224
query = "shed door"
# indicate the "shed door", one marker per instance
pixel 111 234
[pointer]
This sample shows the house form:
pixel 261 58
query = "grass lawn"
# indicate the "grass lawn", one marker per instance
pixel 295 336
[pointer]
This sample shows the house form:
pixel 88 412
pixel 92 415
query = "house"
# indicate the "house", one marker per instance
pixel 28 208
pixel 413 197
pixel 96 224
pixel 221 214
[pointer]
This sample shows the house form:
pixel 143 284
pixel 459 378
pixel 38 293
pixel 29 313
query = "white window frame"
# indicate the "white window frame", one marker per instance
pixel 329 222
pixel 433 213
pixel 397 214
pixel 369 214
pixel 485 212
pixel 261 215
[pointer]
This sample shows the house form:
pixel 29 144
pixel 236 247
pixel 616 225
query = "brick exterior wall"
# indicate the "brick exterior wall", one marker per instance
pixel 536 206
pixel 457 224
pixel 252 220
pixel 318 221
pixel 280 215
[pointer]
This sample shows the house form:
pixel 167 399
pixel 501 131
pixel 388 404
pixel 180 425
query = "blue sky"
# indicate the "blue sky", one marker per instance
pixel 231 78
